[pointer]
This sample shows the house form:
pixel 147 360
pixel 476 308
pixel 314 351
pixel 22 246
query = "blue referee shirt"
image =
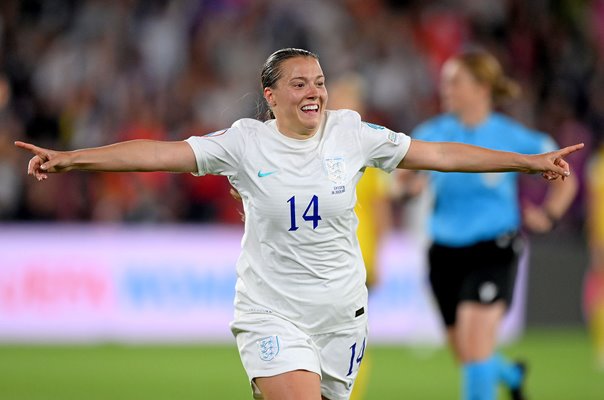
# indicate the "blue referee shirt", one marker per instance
pixel 472 207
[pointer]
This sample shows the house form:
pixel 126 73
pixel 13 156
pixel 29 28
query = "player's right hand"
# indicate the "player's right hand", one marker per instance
pixel 44 161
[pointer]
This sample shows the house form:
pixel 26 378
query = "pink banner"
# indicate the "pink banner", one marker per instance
pixel 174 283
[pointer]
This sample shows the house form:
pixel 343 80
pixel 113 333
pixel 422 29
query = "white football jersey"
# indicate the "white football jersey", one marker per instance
pixel 300 255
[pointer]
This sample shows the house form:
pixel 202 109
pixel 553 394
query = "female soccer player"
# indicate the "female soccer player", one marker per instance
pixel 476 218
pixel 301 302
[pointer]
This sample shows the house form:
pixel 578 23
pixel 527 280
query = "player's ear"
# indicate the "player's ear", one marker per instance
pixel 269 97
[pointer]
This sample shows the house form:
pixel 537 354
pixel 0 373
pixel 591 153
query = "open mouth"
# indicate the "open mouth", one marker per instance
pixel 310 109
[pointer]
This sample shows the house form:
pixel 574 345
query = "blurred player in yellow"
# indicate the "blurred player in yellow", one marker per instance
pixel 373 211
pixel 594 279
pixel 372 208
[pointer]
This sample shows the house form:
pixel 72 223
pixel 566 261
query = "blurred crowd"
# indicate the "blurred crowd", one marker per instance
pixel 86 73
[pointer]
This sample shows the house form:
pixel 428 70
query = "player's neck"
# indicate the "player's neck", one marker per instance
pixel 475 115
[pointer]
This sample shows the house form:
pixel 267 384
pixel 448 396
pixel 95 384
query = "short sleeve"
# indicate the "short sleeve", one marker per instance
pixel 218 153
pixel 383 147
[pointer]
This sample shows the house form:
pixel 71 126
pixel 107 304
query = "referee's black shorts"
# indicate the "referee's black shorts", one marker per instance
pixel 484 273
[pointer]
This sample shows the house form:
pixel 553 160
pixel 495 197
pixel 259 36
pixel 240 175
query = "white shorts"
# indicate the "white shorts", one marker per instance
pixel 270 345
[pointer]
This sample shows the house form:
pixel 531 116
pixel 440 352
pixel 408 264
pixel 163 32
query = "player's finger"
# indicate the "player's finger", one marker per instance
pixel 559 165
pixel 32 148
pixel 33 165
pixel 568 150
pixel 33 168
pixel 563 164
pixel 23 145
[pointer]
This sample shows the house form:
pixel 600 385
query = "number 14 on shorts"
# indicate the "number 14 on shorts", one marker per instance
pixel 354 357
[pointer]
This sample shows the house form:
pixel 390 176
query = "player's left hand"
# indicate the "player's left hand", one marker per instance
pixel 535 219
pixel 552 165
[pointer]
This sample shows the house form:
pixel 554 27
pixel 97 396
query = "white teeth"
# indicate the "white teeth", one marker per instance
pixel 310 108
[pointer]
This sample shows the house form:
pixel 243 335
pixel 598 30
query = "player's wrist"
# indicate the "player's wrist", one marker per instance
pixel 552 217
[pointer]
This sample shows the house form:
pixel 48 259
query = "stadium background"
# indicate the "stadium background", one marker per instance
pixel 84 73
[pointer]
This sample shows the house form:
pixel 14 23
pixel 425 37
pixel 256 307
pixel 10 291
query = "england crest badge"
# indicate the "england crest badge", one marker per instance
pixel 268 347
pixel 336 170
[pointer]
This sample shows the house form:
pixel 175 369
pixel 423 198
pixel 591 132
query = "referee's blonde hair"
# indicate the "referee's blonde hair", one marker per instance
pixel 486 69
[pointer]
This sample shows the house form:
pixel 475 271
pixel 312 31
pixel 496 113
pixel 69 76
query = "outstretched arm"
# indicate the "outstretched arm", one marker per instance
pixel 459 157
pixel 135 155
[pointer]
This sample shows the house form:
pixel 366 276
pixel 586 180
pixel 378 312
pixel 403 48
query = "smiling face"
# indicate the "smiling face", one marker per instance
pixel 299 97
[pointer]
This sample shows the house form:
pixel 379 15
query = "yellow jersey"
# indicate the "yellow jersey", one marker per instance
pixel 372 210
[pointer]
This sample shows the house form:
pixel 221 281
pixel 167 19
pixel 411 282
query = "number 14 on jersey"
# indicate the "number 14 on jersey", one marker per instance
pixel 310 214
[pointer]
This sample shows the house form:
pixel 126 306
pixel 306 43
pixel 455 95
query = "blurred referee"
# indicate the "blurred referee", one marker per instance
pixel 476 219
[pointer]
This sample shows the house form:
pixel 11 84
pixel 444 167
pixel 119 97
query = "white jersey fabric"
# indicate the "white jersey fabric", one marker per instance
pixel 300 256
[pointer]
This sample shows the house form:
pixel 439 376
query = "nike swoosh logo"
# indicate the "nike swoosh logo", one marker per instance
pixel 263 174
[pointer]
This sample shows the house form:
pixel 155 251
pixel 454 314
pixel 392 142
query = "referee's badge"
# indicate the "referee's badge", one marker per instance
pixel 487 292
pixel 268 347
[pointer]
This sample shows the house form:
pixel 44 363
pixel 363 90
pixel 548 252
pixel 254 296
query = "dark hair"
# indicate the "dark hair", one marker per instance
pixel 271 70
